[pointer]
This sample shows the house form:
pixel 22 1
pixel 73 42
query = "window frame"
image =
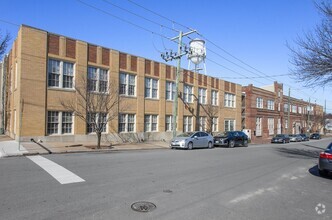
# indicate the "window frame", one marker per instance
pixel 188 93
pixel 214 98
pixel 202 95
pixel 270 104
pixel 259 102
pixel 88 125
pixel 170 90
pixel 150 83
pixel 187 122
pixel 229 100
pixel 169 123
pixel 128 84
pixel 127 122
pixel 228 124
pixel 60 72
pixel 59 123
pixel 151 125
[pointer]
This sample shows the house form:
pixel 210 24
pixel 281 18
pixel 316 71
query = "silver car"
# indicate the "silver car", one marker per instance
pixel 190 140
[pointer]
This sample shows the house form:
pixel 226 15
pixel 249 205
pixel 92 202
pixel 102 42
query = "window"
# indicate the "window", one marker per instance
pixel 151 88
pixel 214 97
pixel 300 110
pixel 285 107
pixel 169 123
pixel 202 123
pixel 229 100
pixel 127 84
pixel 286 123
pixel 270 124
pixel 270 104
pixel 187 123
pixel 59 122
pixel 170 90
pixel 279 126
pixel 97 79
pixel 100 118
pixel 127 123
pixel 214 124
pixel 60 74
pixel 258 126
pixel 151 123
pixel 202 95
pixel 188 91
pixel 259 102
pixel 294 109
pixel 230 125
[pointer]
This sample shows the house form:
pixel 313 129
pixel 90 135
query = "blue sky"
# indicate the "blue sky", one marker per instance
pixel 253 33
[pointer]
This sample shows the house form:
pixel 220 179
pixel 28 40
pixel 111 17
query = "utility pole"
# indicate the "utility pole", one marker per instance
pixel 288 116
pixel 171 56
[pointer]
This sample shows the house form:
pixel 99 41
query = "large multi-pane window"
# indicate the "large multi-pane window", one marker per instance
pixel 151 123
pixel 214 97
pixel 230 125
pixel 294 109
pixel 229 100
pixel 127 84
pixel 151 88
pixel 214 124
pixel 202 95
pixel 259 102
pixel 270 125
pixel 169 123
pixel 187 93
pixel 97 79
pixel 126 122
pixel 187 123
pixel 60 74
pixel 170 90
pixel 96 120
pixel 59 122
pixel 270 104
pixel 202 123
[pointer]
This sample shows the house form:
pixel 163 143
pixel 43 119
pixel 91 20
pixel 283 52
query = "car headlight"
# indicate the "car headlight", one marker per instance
pixel 183 142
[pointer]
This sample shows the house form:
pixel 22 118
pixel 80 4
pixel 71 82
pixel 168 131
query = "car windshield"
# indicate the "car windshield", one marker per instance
pixel 224 134
pixel 292 135
pixel 330 146
pixel 279 135
pixel 186 134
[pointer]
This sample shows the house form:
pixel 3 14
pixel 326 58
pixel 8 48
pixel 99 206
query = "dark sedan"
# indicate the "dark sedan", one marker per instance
pixel 231 139
pixel 280 138
pixel 325 161
pixel 304 137
pixel 315 136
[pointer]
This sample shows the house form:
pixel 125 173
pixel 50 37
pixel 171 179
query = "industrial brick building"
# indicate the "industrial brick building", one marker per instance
pixel 41 68
pixel 265 113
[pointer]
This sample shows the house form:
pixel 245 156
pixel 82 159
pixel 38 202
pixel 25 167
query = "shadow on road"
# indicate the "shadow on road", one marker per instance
pixel 297 153
pixel 308 145
pixel 314 171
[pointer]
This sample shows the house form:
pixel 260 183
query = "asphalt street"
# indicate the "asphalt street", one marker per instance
pixel 278 181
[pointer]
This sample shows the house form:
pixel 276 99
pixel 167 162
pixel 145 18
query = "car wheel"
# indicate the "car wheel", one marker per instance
pixel 231 144
pixel 245 143
pixel 322 172
pixel 210 145
pixel 190 145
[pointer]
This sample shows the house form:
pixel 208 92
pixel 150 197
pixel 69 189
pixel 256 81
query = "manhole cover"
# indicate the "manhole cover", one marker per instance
pixel 143 206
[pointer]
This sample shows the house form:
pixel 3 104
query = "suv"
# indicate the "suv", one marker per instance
pixel 231 139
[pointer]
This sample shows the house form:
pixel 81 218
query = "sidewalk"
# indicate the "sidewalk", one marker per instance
pixel 10 147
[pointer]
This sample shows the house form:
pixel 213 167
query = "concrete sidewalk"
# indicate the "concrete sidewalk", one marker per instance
pixel 10 147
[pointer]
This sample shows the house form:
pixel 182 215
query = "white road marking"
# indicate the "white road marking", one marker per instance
pixel 61 174
pixel 253 194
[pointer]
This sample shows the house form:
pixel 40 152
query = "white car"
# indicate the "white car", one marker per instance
pixel 190 140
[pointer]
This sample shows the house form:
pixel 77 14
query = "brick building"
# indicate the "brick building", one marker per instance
pixel 42 67
pixel 265 113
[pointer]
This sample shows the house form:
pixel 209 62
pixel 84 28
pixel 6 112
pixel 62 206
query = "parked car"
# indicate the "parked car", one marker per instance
pixel 231 139
pixel 315 136
pixel 325 161
pixel 295 138
pixel 190 140
pixel 304 137
pixel 280 138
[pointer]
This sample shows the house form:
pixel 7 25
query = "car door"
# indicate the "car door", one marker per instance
pixel 237 138
pixel 204 139
pixel 196 139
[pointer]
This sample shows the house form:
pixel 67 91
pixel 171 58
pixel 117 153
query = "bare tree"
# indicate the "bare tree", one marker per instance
pixel 211 113
pixel 4 40
pixel 96 103
pixel 313 56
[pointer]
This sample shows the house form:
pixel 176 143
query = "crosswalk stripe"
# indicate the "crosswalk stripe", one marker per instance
pixel 61 174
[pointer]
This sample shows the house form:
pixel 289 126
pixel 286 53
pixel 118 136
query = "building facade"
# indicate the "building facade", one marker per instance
pixel 267 112
pixel 43 69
